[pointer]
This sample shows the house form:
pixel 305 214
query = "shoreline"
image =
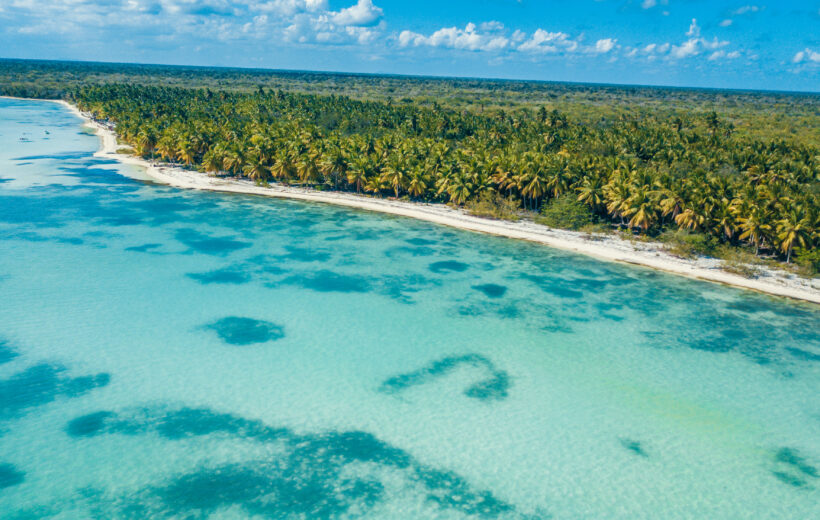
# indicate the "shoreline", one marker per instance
pixel 604 247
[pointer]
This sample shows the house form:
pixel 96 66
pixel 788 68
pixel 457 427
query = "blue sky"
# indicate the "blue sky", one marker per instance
pixel 735 44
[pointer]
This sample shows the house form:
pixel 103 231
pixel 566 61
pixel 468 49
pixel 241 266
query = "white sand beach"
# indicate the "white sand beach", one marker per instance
pixel 604 247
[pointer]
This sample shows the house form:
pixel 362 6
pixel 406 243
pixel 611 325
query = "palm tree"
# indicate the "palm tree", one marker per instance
pixel 395 176
pixel 617 193
pixel 334 164
pixel 754 226
pixel 693 218
pixel 793 229
pixel 417 185
pixel 459 188
pixel 212 161
pixel 166 147
pixel 185 152
pixel 641 207
pixel 146 141
pixel 591 191
pixel 255 169
pixel 307 169
pixel 358 172
pixel 233 161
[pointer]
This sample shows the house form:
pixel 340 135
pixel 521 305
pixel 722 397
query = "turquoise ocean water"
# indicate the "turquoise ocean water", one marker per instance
pixel 179 354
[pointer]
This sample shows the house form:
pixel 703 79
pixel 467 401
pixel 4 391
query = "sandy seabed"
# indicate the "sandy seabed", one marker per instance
pixel 604 247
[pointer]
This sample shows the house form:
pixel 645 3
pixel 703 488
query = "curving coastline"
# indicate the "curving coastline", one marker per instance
pixel 604 247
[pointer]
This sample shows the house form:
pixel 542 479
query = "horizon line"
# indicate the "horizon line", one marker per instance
pixel 427 77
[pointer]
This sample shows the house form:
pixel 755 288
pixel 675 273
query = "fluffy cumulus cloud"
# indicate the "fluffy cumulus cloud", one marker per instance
pixel 302 21
pixel 806 56
pixel 605 45
pixel 270 25
pixel 694 45
pixel 493 37
pixel 363 13
pixel 471 38
pixel 547 42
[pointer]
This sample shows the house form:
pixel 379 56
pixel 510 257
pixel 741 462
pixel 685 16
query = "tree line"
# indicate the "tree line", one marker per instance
pixel 651 172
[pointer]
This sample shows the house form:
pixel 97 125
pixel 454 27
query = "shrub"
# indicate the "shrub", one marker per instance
pixel 809 261
pixel 594 231
pixel 566 212
pixel 494 205
pixel 687 244
pixel 738 261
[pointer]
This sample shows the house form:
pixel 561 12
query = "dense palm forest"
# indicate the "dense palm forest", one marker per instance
pixel 738 169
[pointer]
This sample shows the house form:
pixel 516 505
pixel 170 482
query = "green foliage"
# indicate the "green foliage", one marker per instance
pixel 686 244
pixel 566 212
pixel 809 261
pixel 494 205
pixel 738 261
pixel 701 167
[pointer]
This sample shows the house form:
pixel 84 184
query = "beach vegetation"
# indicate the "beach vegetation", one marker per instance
pixel 699 169
pixel 566 212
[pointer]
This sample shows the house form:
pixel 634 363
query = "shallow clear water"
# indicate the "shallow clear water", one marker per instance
pixel 180 354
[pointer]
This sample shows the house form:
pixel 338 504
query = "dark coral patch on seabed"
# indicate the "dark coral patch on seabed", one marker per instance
pixel 236 330
pixel 445 266
pixel 494 387
pixel 209 245
pixel 311 476
pixel 303 254
pixel 793 468
pixel 491 290
pixel 803 354
pixel 10 475
pixel 636 447
pixel 221 276
pixel 6 352
pixel 144 248
pixel 42 384
pixel 329 281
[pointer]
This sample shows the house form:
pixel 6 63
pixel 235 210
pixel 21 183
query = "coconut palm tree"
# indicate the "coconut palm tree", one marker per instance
pixel 754 226
pixel 793 230
pixel 358 172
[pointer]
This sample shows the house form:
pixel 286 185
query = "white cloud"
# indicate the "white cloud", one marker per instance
pixel 363 13
pixel 649 4
pixel 454 38
pixel 289 7
pixel 746 9
pixel 272 23
pixel 806 55
pixel 492 25
pixel 548 42
pixel 492 37
pixel 723 54
pixel 694 45
pixel 686 49
pixel 295 21
pixel 605 45
pixel 694 30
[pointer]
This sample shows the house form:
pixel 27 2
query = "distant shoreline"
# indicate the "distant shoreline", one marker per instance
pixel 604 247
pixel 424 77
